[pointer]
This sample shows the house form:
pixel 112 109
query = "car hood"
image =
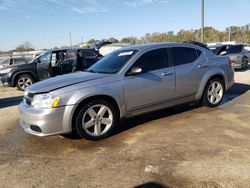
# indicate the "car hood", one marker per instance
pixel 59 82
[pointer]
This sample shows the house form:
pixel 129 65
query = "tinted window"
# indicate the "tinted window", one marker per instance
pixel 152 60
pixel 89 54
pixel 112 63
pixel 234 49
pixel 184 55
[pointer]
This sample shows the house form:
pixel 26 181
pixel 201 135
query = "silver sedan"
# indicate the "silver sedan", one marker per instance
pixel 128 82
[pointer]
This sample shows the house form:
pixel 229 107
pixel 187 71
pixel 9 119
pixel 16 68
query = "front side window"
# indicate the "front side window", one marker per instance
pixel 112 63
pixel 184 55
pixel 45 58
pixel 152 60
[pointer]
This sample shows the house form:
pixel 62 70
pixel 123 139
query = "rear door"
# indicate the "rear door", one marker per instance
pixel 190 67
pixel 156 84
pixel 90 58
pixel 69 64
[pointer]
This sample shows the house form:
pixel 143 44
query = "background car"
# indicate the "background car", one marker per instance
pixel 217 49
pixel 13 61
pixel 47 65
pixel 128 82
pixel 238 54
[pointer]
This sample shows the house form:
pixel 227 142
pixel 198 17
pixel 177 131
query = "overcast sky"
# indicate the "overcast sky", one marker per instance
pixel 46 23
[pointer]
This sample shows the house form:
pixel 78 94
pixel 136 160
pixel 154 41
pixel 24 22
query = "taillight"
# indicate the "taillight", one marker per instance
pixel 230 63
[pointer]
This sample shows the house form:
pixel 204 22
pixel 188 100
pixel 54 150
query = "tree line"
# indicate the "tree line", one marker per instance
pixel 240 34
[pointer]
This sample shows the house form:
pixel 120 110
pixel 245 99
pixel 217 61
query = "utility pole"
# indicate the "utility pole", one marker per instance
pixel 70 40
pixel 202 21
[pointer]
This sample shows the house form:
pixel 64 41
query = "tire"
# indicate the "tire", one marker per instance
pixel 24 81
pixel 244 62
pixel 100 117
pixel 213 97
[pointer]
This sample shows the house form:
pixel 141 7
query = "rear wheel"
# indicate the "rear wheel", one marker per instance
pixel 214 93
pixel 96 120
pixel 24 81
pixel 244 62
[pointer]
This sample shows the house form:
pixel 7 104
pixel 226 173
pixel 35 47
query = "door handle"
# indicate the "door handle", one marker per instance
pixel 202 66
pixel 167 73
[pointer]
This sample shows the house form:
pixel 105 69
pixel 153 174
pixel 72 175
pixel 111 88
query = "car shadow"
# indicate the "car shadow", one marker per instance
pixel 151 185
pixel 11 101
pixel 242 70
pixel 236 91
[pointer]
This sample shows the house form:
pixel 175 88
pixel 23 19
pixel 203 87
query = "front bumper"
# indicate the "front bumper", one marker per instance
pixel 45 122
pixel 5 79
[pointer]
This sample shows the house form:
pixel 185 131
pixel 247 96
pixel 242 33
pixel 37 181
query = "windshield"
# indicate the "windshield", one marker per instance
pixel 112 63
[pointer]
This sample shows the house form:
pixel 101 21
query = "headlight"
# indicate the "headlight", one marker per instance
pixel 4 71
pixel 44 101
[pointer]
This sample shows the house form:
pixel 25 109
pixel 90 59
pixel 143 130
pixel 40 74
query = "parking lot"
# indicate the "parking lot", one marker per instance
pixel 184 146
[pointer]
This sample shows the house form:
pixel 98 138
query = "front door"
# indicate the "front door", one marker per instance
pixel 154 86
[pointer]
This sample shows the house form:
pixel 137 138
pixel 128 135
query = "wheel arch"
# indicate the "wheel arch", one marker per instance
pixel 18 74
pixel 207 79
pixel 91 98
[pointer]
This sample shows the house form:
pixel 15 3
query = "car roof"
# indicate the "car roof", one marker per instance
pixel 156 45
pixel 62 49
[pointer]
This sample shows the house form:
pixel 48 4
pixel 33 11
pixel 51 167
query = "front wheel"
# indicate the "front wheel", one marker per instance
pixel 214 93
pixel 24 81
pixel 96 120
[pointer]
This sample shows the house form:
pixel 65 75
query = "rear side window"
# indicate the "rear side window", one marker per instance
pixel 234 49
pixel 183 55
pixel 89 54
pixel 153 60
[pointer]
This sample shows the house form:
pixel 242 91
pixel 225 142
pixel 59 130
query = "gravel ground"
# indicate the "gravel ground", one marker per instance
pixel 184 146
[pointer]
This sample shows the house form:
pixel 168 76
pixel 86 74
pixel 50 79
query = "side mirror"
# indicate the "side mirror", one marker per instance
pixel 134 71
pixel 38 61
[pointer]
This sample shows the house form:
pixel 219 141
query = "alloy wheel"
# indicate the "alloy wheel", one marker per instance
pixel 24 82
pixel 215 92
pixel 97 120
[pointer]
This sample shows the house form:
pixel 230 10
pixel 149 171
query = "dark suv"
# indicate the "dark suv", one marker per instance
pixel 48 64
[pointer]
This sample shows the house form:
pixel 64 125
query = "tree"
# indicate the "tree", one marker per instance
pixel 113 40
pixel 26 46
pixel 91 41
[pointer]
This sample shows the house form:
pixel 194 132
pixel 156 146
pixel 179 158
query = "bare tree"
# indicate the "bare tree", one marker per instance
pixel 26 46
